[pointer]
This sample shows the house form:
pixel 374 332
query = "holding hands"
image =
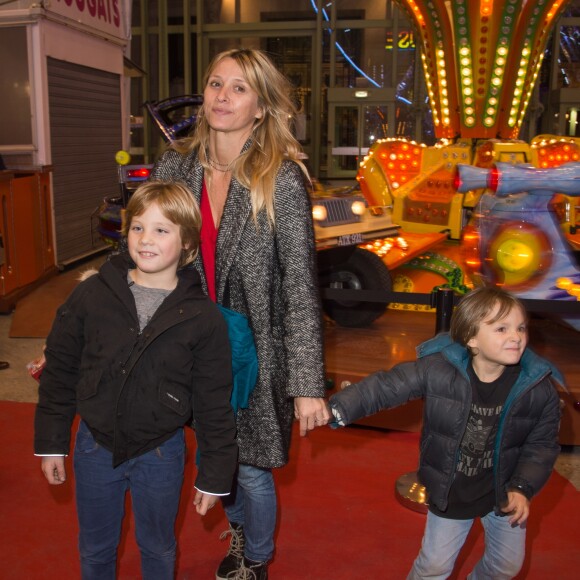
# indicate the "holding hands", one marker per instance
pixel 312 412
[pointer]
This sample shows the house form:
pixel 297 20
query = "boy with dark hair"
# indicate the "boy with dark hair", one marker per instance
pixel 490 431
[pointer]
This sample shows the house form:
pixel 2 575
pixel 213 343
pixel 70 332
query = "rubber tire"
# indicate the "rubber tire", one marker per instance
pixel 363 270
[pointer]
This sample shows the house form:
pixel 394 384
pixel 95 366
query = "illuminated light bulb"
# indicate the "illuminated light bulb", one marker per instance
pixel 358 208
pixel 498 71
pixel 393 156
pixel 464 51
pixel 519 82
pixel 488 121
pixel 500 61
pixel 466 71
pixel 469 110
pixel 319 213
pixel 465 62
pixel 401 243
pixel 469 120
pixel 395 185
pixel 502 50
pixel 490 111
pixel 496 81
pixel 493 101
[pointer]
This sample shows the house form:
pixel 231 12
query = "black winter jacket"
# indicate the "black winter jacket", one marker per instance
pixel 136 389
pixel 526 445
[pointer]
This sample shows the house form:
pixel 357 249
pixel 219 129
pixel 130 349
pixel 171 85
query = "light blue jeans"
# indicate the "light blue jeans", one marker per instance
pixel 253 505
pixel 443 538
pixel 154 481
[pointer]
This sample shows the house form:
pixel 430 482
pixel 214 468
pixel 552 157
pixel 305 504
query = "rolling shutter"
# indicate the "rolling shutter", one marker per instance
pixel 85 134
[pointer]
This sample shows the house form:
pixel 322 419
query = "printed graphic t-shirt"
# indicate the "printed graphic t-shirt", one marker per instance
pixel 472 492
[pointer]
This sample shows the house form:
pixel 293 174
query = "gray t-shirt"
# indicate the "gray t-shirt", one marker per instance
pixel 147 300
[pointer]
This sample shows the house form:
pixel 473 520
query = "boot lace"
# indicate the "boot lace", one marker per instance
pixel 236 548
pixel 245 573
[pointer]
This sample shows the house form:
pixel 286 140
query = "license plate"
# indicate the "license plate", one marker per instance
pixel 350 239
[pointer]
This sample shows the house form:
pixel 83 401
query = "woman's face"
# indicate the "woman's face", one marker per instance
pixel 230 105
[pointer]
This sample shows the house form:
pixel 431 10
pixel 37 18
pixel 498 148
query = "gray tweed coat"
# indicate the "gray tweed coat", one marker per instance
pixel 268 274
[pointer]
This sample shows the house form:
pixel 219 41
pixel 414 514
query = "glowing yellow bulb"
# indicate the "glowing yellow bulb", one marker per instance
pixel 319 213
pixel 358 208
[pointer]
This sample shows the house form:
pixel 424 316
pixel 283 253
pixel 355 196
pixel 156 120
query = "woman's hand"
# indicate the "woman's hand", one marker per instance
pixel 312 412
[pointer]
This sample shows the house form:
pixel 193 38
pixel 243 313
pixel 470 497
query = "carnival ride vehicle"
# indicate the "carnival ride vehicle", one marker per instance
pixel 515 239
pixel 481 61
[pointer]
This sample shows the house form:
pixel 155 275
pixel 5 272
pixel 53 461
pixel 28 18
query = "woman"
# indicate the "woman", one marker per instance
pixel 258 258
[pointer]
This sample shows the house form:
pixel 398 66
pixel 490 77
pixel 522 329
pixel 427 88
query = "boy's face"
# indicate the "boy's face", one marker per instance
pixel 155 246
pixel 501 343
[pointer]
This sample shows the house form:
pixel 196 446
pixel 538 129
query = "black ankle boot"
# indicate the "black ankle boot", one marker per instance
pixel 251 570
pixel 235 556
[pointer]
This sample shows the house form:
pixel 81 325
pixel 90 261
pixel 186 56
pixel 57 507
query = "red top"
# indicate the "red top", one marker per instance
pixel 208 242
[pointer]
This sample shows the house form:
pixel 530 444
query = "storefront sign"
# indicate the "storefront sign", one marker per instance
pixel 103 15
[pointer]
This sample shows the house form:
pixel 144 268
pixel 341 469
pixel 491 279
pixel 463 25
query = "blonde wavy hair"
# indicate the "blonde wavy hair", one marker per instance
pixel 177 204
pixel 272 138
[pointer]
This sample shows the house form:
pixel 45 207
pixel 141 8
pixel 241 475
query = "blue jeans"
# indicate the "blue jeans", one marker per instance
pixel 154 481
pixel 504 548
pixel 253 505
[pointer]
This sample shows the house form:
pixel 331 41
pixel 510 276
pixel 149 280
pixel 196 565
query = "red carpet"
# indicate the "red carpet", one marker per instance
pixel 339 517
